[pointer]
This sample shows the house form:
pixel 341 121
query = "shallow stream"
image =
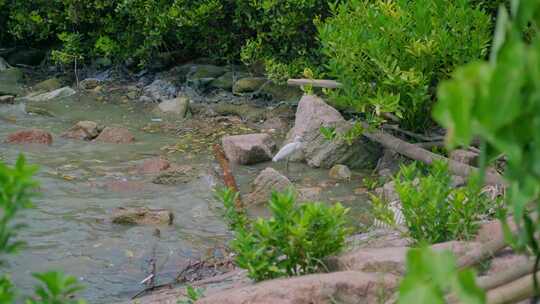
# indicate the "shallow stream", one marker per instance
pixel 70 228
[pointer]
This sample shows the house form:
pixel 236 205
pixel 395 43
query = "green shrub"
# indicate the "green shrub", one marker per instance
pixel 431 275
pixel 293 241
pixel 16 191
pixel 389 55
pixel 282 34
pixel 432 209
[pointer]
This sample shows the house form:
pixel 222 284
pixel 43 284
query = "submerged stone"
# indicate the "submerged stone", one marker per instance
pixel 115 135
pixel 30 136
pixel 142 216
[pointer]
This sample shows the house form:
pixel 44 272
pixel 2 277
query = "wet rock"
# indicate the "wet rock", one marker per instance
pixel 7 99
pixel 175 175
pixel 142 216
pixel 83 130
pixel 345 287
pixel 385 260
pixel 464 156
pixel 48 85
pixel 154 165
pixel 388 164
pixel 89 83
pixel 389 259
pixel 125 186
pixel 311 194
pixel 11 81
pixel 160 90
pixel 56 94
pixel 225 81
pixel 267 181
pixel 4 65
pixel 30 136
pixel 198 71
pixel 132 94
pixel 340 172
pixel 249 84
pixel 26 57
pixel 281 92
pixel 275 124
pixel 177 107
pixel 248 149
pixel 312 113
pixel 115 135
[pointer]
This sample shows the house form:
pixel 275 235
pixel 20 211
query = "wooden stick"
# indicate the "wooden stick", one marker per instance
pixel 317 83
pixel 513 292
pixel 228 177
pixel 417 153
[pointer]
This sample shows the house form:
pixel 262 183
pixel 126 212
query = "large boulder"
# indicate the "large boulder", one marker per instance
pixel 50 84
pixel 11 81
pixel 115 135
pixel 176 107
pixel 83 130
pixel 226 80
pixel 267 181
pixel 345 287
pixel 312 113
pixel 142 216
pixel 160 90
pixel 248 149
pixel 249 84
pixel 389 259
pixel 56 94
pixel 30 136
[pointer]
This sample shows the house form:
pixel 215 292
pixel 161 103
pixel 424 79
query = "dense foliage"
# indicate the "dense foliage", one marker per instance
pixel 434 211
pixel 431 275
pixel 293 241
pixel 16 191
pixel 498 102
pixel 280 34
pixel 390 55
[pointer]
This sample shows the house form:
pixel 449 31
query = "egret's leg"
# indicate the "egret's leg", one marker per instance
pixel 287 165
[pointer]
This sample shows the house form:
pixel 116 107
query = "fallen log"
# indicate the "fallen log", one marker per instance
pixel 417 153
pixel 228 177
pixel 317 83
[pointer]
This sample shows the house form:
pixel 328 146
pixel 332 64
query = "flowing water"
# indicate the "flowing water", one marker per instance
pixel 70 228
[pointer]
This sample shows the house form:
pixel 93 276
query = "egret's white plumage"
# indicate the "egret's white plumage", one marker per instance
pixel 288 149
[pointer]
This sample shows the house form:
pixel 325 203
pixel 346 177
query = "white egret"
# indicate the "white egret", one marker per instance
pixel 286 151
